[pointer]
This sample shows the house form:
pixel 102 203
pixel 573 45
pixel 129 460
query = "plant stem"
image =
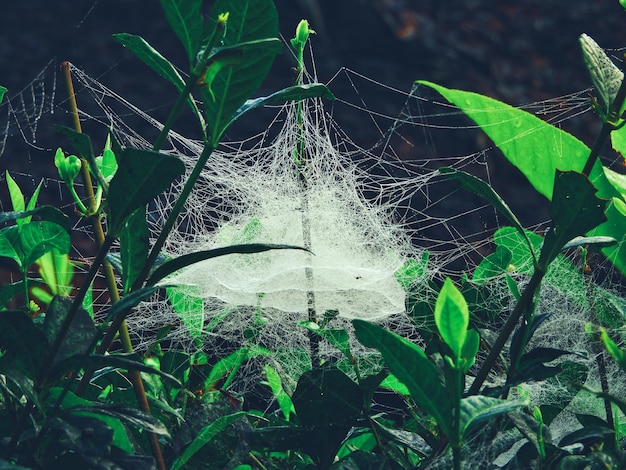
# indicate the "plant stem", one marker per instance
pixel 94 218
pixel 521 308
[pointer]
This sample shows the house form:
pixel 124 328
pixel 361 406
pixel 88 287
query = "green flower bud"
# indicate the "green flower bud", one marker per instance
pixel 68 167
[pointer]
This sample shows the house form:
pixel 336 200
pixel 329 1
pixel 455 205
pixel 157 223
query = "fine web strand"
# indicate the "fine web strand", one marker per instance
pixel 377 201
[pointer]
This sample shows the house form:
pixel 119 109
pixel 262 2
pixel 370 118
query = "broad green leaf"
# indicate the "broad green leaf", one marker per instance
pixel 171 266
pixel 495 264
pixel 452 317
pixel 141 176
pixel 284 401
pixel 23 344
pixel 618 141
pixel 412 367
pixel 248 20
pixel 478 408
pixel 293 93
pixel 33 241
pixel 205 435
pixel 120 437
pixel 185 18
pixel 477 186
pixel 134 246
pixel 538 149
pixel 233 362
pixel 80 335
pixel 189 307
pixel 575 210
pixel 535 147
pixel 335 336
pixel 618 354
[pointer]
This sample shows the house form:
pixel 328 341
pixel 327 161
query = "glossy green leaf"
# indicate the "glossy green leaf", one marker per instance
pixel 478 408
pixel 15 194
pixel 495 264
pixel 538 149
pixel 134 246
pixel 183 261
pixel 141 176
pixel 535 147
pixel 412 367
pixel 3 90
pixel 412 270
pixel 33 241
pixel 81 332
pixel 57 271
pixel 616 353
pixel 575 210
pixel 185 18
pixel 452 317
pixel 478 186
pixel 284 401
pixel 232 362
pixel 248 20
pixel 204 436
pixel 293 93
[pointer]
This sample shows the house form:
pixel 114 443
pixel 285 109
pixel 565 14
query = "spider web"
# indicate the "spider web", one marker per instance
pixel 374 201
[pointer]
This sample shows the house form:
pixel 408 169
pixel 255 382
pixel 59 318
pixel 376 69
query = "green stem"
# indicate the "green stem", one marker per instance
pixel 458 441
pixel 524 306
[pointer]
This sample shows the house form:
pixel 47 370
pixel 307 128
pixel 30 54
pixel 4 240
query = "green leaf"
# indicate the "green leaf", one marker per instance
pixel 535 147
pixel 452 317
pixel 248 20
pixel 232 362
pixel 284 401
pixel 478 408
pixel 185 18
pixel 141 176
pixel 495 264
pixel 24 345
pixel 538 149
pixel 337 337
pixel 575 210
pixel 292 93
pixel 120 437
pixel 113 361
pixel 34 240
pixel 328 404
pixel 151 57
pixel 47 213
pixel 81 333
pixel 470 349
pixel 616 353
pixel 15 193
pixel 189 307
pixel 129 416
pixel 130 300
pixel 174 265
pixel 205 435
pixel 413 368
pixel 3 90
pixel 134 246
pixel 412 270
pixel 477 186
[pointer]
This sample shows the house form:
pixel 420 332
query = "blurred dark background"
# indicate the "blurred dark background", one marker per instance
pixel 515 51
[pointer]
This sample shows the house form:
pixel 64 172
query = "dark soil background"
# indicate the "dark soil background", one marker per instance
pixel 516 51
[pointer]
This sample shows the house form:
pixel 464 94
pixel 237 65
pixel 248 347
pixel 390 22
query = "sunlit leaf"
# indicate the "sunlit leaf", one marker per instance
pixel 452 317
